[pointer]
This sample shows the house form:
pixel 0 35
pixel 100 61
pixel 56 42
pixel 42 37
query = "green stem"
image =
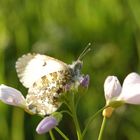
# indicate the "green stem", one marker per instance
pixel 78 130
pixel 65 111
pixel 61 133
pixel 102 129
pixel 51 135
pixel 90 120
pixel 72 106
pixel 77 102
pixel 75 119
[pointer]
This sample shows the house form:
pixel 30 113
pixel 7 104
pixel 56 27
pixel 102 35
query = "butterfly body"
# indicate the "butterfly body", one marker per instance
pixel 45 78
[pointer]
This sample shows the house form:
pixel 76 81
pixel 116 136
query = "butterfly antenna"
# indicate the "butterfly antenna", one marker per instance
pixel 85 51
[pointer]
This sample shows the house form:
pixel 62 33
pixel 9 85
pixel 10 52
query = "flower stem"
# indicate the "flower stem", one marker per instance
pixel 72 106
pixel 65 111
pixel 102 129
pixel 51 135
pixel 61 133
pixel 75 119
pixel 78 130
pixel 90 120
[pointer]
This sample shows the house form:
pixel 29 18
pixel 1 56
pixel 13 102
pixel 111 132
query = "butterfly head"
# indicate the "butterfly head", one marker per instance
pixel 76 66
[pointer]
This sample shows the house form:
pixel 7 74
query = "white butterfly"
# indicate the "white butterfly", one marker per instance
pixel 45 78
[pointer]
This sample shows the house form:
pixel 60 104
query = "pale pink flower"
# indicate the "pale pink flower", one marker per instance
pixel 128 93
pixel 46 125
pixel 11 96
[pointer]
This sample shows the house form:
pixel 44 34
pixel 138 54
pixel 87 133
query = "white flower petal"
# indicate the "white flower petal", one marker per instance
pixel 11 96
pixel 112 87
pixel 131 78
pixel 131 94
pixel 131 89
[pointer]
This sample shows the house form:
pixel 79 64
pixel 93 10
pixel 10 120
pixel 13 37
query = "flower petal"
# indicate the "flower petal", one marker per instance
pixel 46 125
pixel 112 87
pixel 11 96
pixel 131 78
pixel 131 89
pixel 131 94
pixel 85 81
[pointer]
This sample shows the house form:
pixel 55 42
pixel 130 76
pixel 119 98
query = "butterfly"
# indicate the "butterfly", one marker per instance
pixel 46 78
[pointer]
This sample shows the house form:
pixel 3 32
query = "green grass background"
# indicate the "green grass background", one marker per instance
pixel 62 29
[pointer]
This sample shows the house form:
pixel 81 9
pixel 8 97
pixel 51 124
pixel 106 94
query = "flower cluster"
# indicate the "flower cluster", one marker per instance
pixel 14 97
pixel 116 95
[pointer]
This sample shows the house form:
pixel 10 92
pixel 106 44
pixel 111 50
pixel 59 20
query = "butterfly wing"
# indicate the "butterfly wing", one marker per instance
pixel 43 96
pixel 31 67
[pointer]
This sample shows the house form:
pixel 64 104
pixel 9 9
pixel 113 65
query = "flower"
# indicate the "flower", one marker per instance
pixel 11 96
pixel 112 88
pixel 49 123
pixel 46 125
pixel 82 81
pixel 116 95
pixel 85 81
pixel 14 97
pixel 131 89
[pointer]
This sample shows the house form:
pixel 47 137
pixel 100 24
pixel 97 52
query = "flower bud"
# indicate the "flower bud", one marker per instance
pixel 112 88
pixel 85 81
pixel 107 112
pixel 46 125
pixel 49 123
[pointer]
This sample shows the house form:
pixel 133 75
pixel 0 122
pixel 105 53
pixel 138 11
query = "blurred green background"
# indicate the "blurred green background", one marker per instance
pixel 62 29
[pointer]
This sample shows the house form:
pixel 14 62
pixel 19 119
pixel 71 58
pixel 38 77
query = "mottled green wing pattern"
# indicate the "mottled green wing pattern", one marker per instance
pixel 43 96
